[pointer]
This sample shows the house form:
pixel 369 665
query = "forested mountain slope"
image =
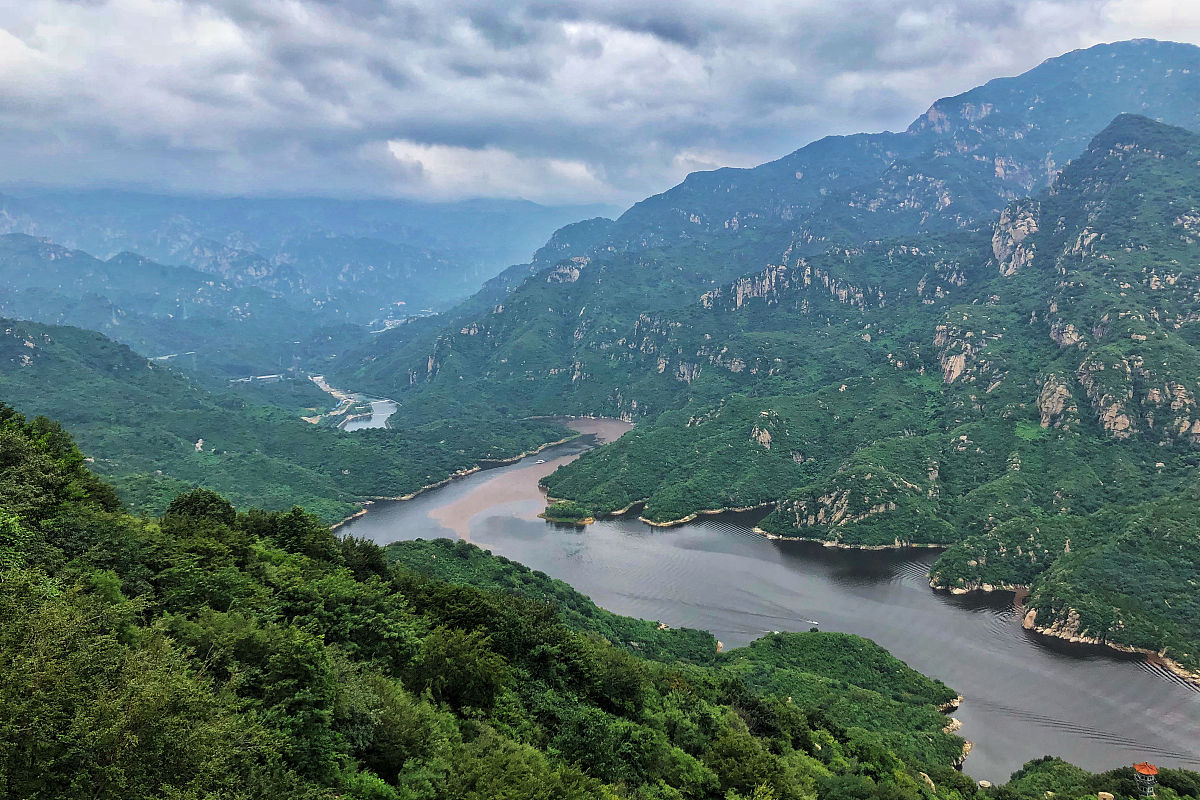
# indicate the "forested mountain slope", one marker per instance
pixel 562 338
pixel 208 653
pixel 155 432
pixel 963 159
pixel 1053 378
pixel 916 376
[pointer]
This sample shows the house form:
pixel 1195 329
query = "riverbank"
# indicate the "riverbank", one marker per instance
pixel 1067 633
pixel 491 464
pixel 581 425
pixel 568 521
pixel 621 512
pixel 953 705
pixel 462 473
pixel 350 518
pixel 696 514
pixel 845 546
pixel 984 588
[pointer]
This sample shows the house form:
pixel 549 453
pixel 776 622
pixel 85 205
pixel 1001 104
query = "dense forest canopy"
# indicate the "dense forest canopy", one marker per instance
pixel 210 652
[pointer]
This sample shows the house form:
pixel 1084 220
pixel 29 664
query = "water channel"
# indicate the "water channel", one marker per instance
pixel 1026 696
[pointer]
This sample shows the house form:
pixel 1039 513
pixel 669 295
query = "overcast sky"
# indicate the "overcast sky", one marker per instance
pixel 551 100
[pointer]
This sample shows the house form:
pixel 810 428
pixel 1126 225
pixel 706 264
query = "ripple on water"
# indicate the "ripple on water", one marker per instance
pixel 1162 672
pixel 1026 696
pixel 1087 732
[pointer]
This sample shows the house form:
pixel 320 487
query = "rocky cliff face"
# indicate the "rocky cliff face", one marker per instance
pixel 1016 224
pixel 1056 405
pixel 862 505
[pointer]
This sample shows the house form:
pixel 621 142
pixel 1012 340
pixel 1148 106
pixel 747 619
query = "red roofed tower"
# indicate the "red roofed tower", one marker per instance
pixel 1146 775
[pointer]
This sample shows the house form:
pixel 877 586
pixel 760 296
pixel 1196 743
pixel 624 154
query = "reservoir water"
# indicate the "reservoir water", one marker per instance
pixel 380 411
pixel 1025 696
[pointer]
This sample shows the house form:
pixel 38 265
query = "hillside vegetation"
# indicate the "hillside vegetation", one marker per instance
pixel 1020 411
pixel 155 432
pixel 213 653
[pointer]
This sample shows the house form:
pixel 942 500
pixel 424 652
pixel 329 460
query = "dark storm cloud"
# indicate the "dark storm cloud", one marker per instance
pixel 548 99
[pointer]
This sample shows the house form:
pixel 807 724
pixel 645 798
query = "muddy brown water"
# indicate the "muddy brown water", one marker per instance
pixel 1026 696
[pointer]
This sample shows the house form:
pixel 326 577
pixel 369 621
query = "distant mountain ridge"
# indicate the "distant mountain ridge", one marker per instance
pixel 160 310
pixel 963 159
pixel 361 260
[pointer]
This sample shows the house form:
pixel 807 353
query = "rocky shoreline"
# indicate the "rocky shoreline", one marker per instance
pixel 1029 623
pixel 620 512
pixel 564 521
pixel 966 751
pixel 953 705
pixel 844 546
pixel 1158 658
pixel 985 588
pixel 695 514
pixel 953 726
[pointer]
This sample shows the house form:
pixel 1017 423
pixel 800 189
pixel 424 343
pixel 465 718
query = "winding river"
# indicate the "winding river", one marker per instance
pixel 1025 696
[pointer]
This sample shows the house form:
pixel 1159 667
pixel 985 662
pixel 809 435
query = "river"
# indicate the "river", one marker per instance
pixel 380 411
pixel 1025 696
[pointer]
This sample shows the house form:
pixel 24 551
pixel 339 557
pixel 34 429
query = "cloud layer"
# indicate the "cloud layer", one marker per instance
pixel 552 100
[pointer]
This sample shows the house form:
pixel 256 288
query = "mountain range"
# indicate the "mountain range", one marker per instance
pixel 887 339
pixel 359 260
pixel 979 332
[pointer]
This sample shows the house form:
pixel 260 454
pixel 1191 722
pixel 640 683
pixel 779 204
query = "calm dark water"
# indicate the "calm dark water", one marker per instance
pixel 1025 697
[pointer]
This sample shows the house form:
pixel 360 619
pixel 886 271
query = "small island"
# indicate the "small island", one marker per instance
pixel 569 512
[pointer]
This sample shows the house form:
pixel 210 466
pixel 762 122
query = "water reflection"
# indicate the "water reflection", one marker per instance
pixel 1026 696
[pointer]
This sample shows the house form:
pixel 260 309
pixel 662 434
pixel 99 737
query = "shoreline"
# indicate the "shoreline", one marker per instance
pixel 694 515
pixel 620 512
pixel 1029 623
pixel 350 518
pixel 953 726
pixel 946 708
pixel 844 546
pixel 982 587
pixel 462 473
pixel 1158 658
pixel 579 523
pixel 968 745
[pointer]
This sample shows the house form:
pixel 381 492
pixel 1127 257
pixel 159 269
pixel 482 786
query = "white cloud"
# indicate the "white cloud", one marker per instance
pixel 551 99
pixel 446 171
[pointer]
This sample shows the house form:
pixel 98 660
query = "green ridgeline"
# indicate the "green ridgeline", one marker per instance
pixel 142 423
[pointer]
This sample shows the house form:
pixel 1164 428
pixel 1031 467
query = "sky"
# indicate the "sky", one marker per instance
pixel 556 101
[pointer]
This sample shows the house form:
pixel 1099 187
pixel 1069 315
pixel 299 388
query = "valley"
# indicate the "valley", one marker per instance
pixel 865 473
pixel 964 382
pixel 1024 696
